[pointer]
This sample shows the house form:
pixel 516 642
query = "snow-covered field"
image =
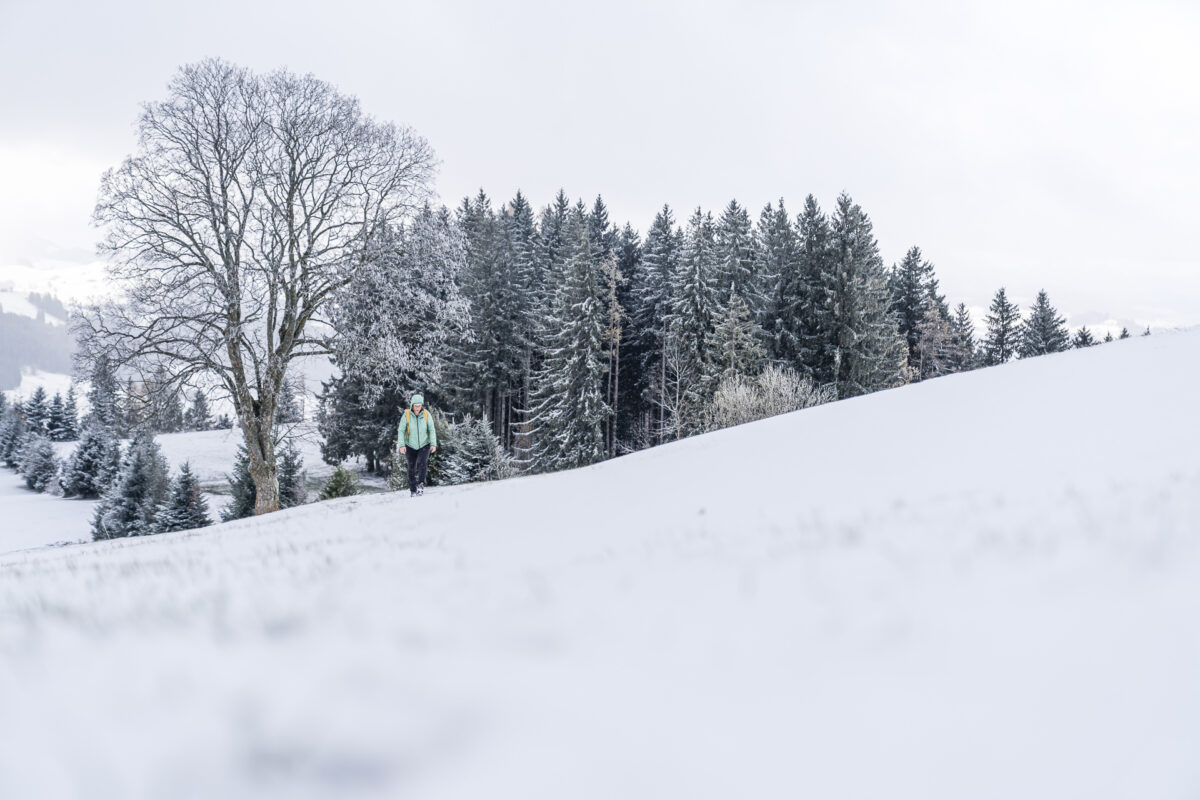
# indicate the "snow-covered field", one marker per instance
pixel 211 453
pixel 52 382
pixel 983 586
pixel 29 519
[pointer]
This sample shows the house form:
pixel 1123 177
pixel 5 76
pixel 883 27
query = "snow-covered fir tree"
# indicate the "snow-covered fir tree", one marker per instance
pixel 1003 330
pixel 472 453
pixel 1108 337
pixel 288 411
pixel 104 398
pixel 784 288
pixel 1083 338
pixel 735 347
pixel 241 489
pixel 736 269
pixel 814 320
pixel 914 291
pixel 615 317
pixel 70 428
pixel 56 418
pixel 341 483
pixel 37 463
pixel 569 412
pixel 198 417
pixel 1124 333
pixel 1044 331
pixel 130 506
pixel 134 406
pixel 649 319
pixel 691 314
pixel 37 413
pixel 628 379
pixel 94 463
pixel 865 351
pixel 12 434
pixel 161 407
pixel 185 508
pixel 963 330
pixel 488 370
pixel 291 478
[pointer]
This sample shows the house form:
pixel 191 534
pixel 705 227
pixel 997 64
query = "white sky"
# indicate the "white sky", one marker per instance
pixel 1025 144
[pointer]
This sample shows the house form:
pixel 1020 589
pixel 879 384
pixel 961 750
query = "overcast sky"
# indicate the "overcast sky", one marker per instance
pixel 1030 145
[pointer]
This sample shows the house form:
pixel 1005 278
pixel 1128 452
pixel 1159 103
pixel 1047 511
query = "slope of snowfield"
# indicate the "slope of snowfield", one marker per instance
pixel 983 586
pixel 29 519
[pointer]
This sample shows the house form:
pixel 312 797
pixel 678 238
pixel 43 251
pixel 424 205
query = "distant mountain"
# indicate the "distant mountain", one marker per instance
pixel 33 336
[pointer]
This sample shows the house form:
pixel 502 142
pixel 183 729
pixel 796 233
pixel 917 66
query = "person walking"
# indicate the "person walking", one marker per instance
pixel 418 439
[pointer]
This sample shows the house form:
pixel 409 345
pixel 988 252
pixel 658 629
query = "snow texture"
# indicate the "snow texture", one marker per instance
pixel 980 586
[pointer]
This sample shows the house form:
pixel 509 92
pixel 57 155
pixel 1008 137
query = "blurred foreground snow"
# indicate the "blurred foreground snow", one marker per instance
pixel 982 586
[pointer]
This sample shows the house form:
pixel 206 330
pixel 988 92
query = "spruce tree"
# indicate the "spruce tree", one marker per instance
pixel 962 330
pixel 865 351
pixel 649 318
pixel 341 483
pixel 1108 337
pixel 56 419
pixel 291 478
pixel 736 269
pixel 37 413
pixel 241 489
pixel 629 379
pixel 914 292
pixel 735 347
pixel 782 282
pixel 1124 333
pixel 1003 330
pixel 288 411
pixel 692 309
pixel 1083 338
pixel 1147 331
pixel 1044 331
pixel 93 463
pixel 70 425
pixel 812 296
pixel 185 508
pixel 198 417
pixel 38 466
pixel 569 411
pixel 130 506
pixel 103 398
pixel 12 434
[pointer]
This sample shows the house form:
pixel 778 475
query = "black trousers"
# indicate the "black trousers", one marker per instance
pixel 418 465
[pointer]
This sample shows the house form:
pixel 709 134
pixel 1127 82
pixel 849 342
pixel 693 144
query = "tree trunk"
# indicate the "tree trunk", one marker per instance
pixel 263 469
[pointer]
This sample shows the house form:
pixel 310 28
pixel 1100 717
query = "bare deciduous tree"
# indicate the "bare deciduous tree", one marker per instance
pixel 250 201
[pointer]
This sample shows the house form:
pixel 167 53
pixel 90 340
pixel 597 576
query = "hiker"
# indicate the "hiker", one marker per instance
pixel 418 438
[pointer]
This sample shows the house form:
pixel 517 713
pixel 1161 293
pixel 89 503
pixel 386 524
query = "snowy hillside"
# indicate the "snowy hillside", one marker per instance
pixel 982 586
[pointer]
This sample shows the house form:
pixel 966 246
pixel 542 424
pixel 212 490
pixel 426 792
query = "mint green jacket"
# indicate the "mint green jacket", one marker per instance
pixel 416 430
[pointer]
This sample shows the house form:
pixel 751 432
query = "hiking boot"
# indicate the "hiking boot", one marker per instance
pixel 420 488
pixel 412 492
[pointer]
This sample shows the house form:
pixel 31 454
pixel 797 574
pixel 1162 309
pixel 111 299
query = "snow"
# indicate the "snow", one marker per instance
pixel 52 382
pixel 981 586
pixel 29 519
